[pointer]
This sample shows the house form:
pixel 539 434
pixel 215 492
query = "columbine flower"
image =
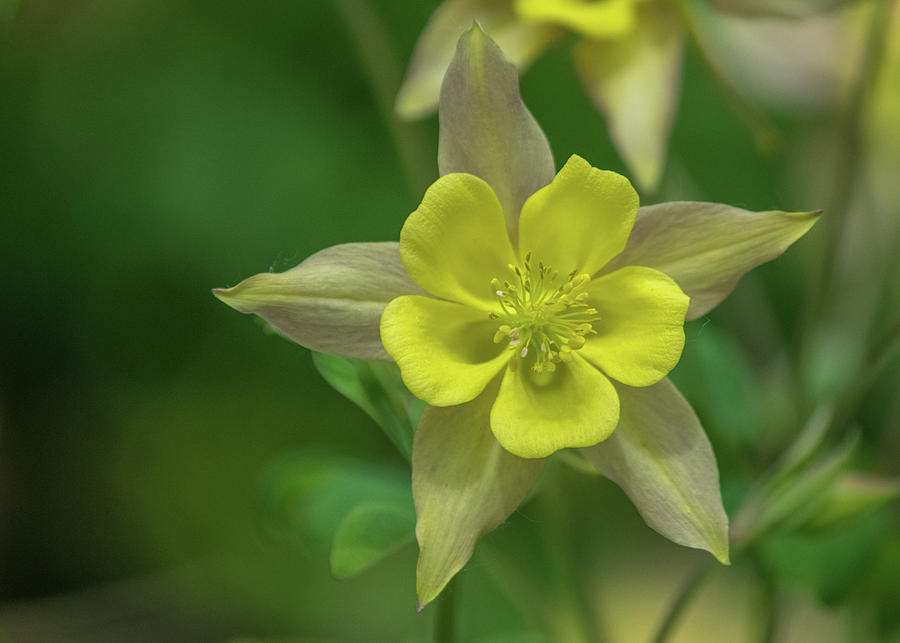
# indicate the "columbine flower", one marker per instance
pixel 550 318
pixel 628 56
pixel 533 313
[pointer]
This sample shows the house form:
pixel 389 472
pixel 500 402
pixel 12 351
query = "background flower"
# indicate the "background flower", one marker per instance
pixel 629 58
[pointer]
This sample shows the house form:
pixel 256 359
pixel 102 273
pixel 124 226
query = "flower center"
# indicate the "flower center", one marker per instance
pixel 543 316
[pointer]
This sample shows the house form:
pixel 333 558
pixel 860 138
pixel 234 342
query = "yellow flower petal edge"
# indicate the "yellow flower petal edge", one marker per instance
pixel 455 238
pixel 445 351
pixel 537 414
pixel 581 220
pixel 464 485
pixel 640 333
pixel 598 19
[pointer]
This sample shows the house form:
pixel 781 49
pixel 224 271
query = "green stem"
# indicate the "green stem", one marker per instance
pixel 847 173
pixel 574 623
pixel 445 619
pixel 879 356
pixel 687 592
pixel 383 70
pixel 847 170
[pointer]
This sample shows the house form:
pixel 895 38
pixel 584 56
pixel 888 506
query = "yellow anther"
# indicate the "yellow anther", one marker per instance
pixel 541 310
pixel 580 280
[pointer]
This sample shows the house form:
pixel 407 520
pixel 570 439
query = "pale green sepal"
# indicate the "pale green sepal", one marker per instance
pixel 376 388
pixel 661 458
pixel 464 484
pixel 777 8
pixel 369 533
pixel 485 128
pixel 521 41
pixel 707 247
pixel 635 81
pixel 332 302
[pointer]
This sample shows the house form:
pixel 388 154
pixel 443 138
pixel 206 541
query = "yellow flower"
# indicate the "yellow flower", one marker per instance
pixel 533 313
pixel 540 309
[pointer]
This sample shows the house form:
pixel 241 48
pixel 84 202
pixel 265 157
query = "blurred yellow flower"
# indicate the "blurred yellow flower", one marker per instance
pixel 628 57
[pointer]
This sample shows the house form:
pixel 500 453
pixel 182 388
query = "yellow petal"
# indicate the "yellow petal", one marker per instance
pixel 537 414
pixel 598 19
pixel 456 241
pixel 640 334
pixel 445 351
pixel 580 221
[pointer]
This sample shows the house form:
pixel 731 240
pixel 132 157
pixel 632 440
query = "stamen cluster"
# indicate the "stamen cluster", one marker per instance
pixel 542 315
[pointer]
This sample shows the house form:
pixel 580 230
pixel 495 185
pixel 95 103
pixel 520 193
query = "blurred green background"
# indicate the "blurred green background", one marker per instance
pixel 152 150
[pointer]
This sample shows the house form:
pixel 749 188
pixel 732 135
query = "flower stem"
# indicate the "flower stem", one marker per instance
pixel 688 589
pixel 848 171
pixel 383 69
pixel 880 355
pixel 445 618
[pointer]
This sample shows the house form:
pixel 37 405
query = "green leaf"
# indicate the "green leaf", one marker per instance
pixel 377 389
pixel 464 484
pixel 369 533
pixel 306 495
pixel 831 563
pixel 787 504
pixel 486 130
pixel 661 458
pixel 332 302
